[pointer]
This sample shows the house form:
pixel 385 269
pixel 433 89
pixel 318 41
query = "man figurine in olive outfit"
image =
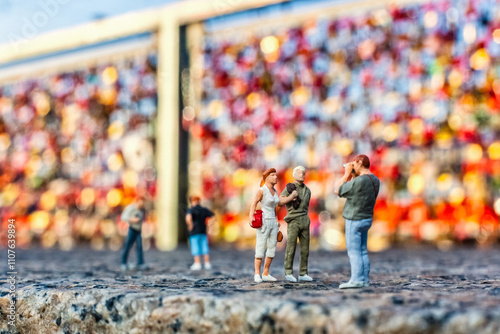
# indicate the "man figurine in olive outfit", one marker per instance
pixel 298 222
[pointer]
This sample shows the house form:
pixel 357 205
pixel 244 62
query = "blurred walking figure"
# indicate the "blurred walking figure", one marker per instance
pixel 134 214
pixel 267 234
pixel 360 187
pixel 196 220
pixel 297 219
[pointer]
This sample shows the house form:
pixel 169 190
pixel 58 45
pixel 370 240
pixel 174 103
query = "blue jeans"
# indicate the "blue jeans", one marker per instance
pixel 133 236
pixel 199 244
pixel 356 235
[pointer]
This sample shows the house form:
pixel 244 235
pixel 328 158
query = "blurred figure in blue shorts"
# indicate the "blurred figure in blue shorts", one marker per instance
pixel 196 220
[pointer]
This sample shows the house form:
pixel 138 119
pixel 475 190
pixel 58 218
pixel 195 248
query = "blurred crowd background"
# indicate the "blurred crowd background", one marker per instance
pixel 416 88
pixel 75 148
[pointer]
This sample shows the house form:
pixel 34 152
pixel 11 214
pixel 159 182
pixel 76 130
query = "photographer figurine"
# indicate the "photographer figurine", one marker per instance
pixel 360 187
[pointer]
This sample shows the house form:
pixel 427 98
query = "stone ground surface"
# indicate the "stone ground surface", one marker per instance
pixel 419 290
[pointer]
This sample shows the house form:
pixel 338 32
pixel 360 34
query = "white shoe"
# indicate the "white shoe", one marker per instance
pixel 195 266
pixel 208 266
pixel 257 279
pixel 366 284
pixel 123 267
pixel 290 278
pixel 305 278
pixel 352 285
pixel 268 278
pixel 142 267
pixel 131 266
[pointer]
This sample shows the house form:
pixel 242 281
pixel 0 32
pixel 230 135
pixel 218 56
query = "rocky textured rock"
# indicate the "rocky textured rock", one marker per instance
pixel 412 291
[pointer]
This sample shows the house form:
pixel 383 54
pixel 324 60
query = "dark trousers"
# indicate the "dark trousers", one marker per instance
pixel 133 236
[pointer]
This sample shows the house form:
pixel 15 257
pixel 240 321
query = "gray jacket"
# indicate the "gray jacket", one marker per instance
pixel 131 211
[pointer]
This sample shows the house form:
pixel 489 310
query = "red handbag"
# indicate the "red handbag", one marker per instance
pixel 257 220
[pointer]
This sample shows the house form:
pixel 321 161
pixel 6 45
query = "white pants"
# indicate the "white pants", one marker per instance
pixel 267 236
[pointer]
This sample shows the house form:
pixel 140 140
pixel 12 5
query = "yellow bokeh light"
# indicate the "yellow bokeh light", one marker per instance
pixel 272 57
pixel 33 166
pixel 269 44
pixel 108 227
pixel 130 179
pixel 456 196
pixel 416 184
pixel 496 36
pixel 10 193
pixel 431 19
pixel 115 162
pixel 116 130
pixel 114 197
pixel 444 182
pixel 4 141
pixel 49 239
pixel 455 122
pixel 109 75
pixel 253 100
pixel 48 200
pixel 480 59
pixel 42 104
pixel 494 151
pixel 87 196
pixel 473 153
pixel 455 78
pixel 270 153
pixel 416 126
pixel 299 97
pixel 67 155
pixel 216 108
pixel 231 233
pixel 444 139
pixel 107 96
pixel 39 220
pixel 344 147
pixel 61 217
pixel 240 177
pixel 391 132
pixel 471 179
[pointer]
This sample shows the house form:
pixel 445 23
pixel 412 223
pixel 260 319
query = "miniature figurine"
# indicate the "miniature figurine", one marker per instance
pixel 134 214
pixel 196 220
pixel 267 234
pixel 297 219
pixel 361 193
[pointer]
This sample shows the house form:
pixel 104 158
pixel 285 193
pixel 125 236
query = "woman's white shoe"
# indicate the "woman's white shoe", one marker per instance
pixel 268 278
pixel 257 279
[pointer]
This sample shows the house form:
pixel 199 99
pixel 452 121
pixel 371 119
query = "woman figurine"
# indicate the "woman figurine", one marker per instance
pixel 267 234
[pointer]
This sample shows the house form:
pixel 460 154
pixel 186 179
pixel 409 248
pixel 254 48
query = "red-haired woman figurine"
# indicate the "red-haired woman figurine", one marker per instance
pixel 267 234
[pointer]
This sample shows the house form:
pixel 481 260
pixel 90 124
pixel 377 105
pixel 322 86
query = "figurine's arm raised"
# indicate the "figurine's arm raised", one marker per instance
pixel 286 199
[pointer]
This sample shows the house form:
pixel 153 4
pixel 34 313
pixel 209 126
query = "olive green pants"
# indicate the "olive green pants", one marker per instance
pixel 298 227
